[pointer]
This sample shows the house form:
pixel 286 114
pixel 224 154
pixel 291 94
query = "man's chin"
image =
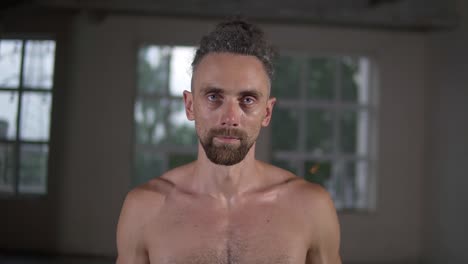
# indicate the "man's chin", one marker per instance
pixel 226 155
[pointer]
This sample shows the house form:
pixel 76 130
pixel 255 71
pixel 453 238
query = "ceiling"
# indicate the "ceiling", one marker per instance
pixel 405 15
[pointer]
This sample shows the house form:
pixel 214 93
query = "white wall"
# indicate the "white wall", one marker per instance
pixel 96 152
pixel 446 175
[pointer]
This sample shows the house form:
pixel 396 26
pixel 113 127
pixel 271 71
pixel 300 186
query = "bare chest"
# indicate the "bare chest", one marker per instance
pixel 258 233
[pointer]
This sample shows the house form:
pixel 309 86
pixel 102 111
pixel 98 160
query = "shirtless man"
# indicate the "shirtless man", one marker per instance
pixel 227 207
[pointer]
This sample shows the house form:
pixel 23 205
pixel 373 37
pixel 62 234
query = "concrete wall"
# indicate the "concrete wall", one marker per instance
pixel 446 176
pixel 94 157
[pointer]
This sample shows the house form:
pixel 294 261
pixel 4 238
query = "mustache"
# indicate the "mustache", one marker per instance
pixel 228 132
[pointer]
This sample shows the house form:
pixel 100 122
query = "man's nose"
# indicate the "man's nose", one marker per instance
pixel 231 114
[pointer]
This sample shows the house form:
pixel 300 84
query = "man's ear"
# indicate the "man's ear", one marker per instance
pixel 269 110
pixel 188 101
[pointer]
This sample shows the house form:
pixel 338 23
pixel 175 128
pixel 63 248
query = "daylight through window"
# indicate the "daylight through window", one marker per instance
pixel 26 82
pixel 321 126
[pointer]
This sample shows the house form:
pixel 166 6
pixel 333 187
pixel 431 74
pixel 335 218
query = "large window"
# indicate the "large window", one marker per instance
pixel 26 82
pixel 164 138
pixel 320 128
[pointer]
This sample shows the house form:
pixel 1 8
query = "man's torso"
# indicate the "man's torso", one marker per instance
pixel 268 226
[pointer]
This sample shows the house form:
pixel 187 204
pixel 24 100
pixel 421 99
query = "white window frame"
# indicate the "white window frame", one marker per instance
pixel 163 151
pixel 17 142
pixel 365 174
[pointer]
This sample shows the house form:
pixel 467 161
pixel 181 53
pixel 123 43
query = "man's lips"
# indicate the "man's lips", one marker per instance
pixel 227 139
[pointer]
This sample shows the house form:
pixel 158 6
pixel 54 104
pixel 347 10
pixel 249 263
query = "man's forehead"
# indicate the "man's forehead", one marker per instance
pixel 219 60
pixel 215 70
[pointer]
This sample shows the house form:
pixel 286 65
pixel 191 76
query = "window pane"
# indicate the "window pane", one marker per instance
pixel 181 71
pixel 8 114
pixel 361 184
pixel 317 172
pixel 176 160
pixel 33 168
pixel 10 63
pixel 286 83
pixel 321 76
pixel 348 131
pixel 354 127
pixel 39 64
pixel 148 165
pixel 349 86
pixel 163 121
pixel 285 129
pixel 153 69
pixel 35 116
pixel 350 184
pixel 7 163
pixel 319 134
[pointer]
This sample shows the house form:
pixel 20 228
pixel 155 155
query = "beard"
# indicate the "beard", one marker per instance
pixel 226 154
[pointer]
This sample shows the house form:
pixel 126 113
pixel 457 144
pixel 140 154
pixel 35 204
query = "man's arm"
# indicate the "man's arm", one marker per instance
pixel 130 241
pixel 326 235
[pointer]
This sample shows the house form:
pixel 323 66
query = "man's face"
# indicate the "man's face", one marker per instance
pixel 229 103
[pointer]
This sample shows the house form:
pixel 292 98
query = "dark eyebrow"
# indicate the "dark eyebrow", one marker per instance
pixel 254 93
pixel 211 89
pixel 217 90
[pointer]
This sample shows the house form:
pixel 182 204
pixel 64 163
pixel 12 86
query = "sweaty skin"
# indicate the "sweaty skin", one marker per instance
pixel 247 213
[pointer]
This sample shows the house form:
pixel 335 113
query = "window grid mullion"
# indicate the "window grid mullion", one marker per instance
pixel 292 155
pixel 315 104
pixel 337 101
pixel 167 60
pixel 24 89
pixel 32 142
pixel 302 118
pixel 336 127
pixel 17 149
pixel 154 96
pixel 167 92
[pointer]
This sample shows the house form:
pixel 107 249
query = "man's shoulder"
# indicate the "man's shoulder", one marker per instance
pixel 312 203
pixel 142 200
pixel 312 192
pixel 295 183
pixel 157 189
pixel 151 193
pixel 147 197
pixel 143 205
pixel 299 189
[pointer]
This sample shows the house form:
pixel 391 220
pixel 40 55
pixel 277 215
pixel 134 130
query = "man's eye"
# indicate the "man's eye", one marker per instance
pixel 212 97
pixel 248 100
